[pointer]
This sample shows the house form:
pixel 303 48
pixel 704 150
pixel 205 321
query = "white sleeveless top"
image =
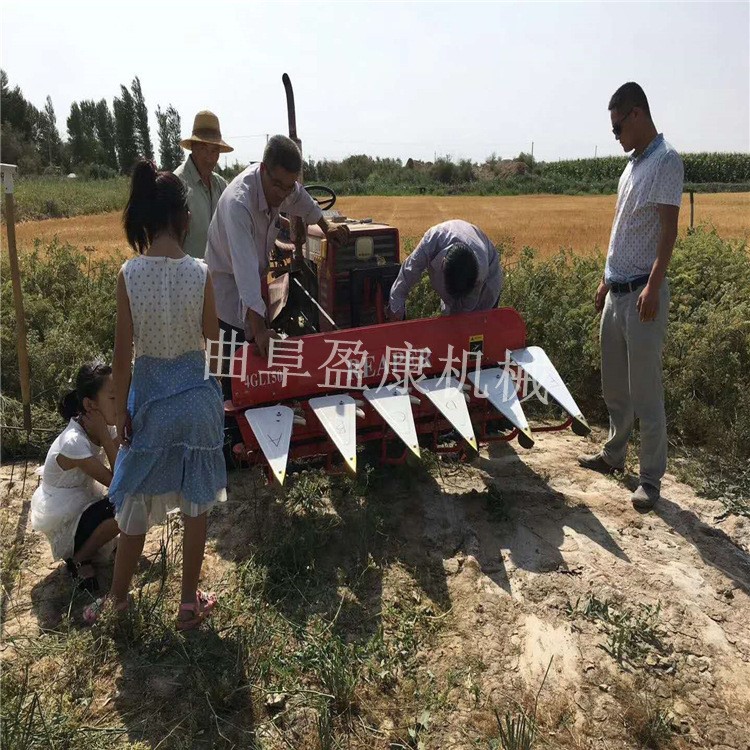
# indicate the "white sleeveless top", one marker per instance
pixel 166 304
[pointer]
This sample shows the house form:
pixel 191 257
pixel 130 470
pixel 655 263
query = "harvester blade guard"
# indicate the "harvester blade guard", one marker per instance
pixel 394 406
pixel 272 427
pixel 338 415
pixel 534 361
pixel 447 396
pixel 500 388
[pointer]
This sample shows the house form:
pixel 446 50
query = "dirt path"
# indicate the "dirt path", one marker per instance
pixel 532 559
pixel 571 535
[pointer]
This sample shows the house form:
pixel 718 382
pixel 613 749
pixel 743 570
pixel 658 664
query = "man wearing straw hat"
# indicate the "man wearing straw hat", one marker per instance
pixel 197 173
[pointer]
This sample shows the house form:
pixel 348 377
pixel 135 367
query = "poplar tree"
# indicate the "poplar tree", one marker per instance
pixel 170 128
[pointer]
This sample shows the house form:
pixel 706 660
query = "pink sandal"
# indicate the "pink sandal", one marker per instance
pixel 201 610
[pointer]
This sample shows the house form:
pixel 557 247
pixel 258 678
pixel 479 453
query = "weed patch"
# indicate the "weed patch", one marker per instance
pixel 632 634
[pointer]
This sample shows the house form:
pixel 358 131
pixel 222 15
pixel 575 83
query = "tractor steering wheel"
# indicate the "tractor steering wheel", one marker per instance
pixel 325 201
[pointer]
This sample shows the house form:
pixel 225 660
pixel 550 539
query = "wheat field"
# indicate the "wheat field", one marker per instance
pixel 545 222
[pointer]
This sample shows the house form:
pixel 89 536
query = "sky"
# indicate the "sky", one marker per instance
pixel 398 79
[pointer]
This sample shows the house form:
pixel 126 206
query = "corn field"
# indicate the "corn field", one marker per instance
pixel 699 168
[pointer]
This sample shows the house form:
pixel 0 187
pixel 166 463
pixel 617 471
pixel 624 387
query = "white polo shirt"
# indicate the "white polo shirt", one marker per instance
pixel 655 177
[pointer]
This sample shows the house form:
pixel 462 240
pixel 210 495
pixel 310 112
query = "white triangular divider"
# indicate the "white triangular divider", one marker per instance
pixel 338 415
pixel 448 397
pixel 395 408
pixel 500 388
pixel 272 427
pixel 534 361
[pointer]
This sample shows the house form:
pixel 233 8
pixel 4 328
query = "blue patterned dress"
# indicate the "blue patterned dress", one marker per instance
pixel 175 458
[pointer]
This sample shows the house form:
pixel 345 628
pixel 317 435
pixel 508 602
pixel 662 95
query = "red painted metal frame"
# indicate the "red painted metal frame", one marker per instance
pixel 497 330
pixel 328 278
pixel 502 329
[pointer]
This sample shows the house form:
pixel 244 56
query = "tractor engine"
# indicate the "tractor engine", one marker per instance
pixel 351 284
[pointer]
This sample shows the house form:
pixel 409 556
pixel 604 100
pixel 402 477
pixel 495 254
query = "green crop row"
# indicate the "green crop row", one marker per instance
pixel 699 168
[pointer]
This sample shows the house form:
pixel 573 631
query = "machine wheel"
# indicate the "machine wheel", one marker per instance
pixel 327 200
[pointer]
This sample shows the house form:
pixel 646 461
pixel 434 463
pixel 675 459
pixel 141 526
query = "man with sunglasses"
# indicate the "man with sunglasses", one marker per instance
pixel 243 232
pixel 633 295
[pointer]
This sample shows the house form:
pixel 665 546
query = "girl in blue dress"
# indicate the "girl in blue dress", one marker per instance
pixel 169 412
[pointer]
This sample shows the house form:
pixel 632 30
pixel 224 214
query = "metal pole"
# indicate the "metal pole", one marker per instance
pixel 692 208
pixel 298 230
pixel 7 171
pixel 317 304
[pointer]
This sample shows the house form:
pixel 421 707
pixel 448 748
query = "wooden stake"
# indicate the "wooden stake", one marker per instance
pixel 692 208
pixel 7 171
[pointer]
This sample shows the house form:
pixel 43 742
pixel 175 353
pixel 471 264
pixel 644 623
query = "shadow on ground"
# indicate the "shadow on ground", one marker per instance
pixel 404 516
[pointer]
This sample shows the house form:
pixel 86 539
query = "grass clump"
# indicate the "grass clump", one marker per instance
pixel 518 730
pixel 632 634
pixel 70 309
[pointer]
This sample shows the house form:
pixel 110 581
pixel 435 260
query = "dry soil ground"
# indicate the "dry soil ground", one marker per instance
pixel 518 552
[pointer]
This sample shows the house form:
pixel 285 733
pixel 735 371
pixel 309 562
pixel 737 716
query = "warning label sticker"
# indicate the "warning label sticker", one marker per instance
pixel 476 343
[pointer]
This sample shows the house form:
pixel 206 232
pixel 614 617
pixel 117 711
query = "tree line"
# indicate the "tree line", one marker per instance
pixel 102 141
pixel 105 140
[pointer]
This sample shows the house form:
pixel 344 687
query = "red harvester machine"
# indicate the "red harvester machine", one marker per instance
pixel 343 376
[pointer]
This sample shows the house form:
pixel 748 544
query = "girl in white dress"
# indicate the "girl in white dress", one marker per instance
pixel 70 505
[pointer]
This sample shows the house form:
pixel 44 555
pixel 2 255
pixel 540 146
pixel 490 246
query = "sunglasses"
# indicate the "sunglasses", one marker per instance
pixel 617 127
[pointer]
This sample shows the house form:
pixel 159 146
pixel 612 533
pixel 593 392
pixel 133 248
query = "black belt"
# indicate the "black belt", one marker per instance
pixel 629 286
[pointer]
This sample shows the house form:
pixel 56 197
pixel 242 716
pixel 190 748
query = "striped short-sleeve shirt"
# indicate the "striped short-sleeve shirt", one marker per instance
pixel 655 177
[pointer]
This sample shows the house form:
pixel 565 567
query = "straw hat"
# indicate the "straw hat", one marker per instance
pixel 206 130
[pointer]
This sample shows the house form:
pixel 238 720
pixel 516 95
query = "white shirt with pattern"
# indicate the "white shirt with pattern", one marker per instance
pixel 166 304
pixel 655 177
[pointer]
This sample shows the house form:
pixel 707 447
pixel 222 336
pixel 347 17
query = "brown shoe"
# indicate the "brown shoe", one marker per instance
pixel 645 497
pixel 597 462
